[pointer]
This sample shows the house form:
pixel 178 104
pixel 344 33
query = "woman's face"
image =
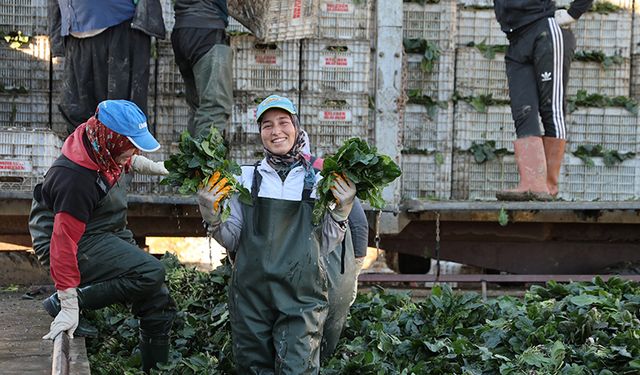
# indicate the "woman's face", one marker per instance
pixel 277 131
pixel 125 156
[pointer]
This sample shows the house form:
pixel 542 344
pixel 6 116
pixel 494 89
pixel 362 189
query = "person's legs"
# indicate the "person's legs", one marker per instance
pixel 181 39
pixel 528 147
pixel 552 59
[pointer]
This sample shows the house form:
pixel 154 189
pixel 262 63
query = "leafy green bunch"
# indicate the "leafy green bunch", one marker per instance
pixel 364 166
pixel 583 99
pixel 197 160
pixel 430 52
pixel 609 157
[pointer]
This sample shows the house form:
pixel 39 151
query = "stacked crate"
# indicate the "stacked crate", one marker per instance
pixel 613 128
pixel 635 54
pixel 335 76
pixel 427 123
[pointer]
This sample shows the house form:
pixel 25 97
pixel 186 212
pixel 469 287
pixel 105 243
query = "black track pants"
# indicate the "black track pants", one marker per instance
pixel 538 62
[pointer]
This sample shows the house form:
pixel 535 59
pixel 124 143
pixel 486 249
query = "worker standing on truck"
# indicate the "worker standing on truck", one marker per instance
pixel 342 283
pixel 78 228
pixel 537 62
pixel 201 48
pixel 278 294
pixel 107 46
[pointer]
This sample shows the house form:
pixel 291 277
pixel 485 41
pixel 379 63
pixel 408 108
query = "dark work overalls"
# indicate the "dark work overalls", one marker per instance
pixel 278 296
pixel 113 269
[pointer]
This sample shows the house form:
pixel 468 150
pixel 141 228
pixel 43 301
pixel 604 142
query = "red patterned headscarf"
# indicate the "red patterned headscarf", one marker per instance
pixel 106 146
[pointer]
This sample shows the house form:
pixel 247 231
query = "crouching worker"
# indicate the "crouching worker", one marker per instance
pixel 78 228
pixel 278 294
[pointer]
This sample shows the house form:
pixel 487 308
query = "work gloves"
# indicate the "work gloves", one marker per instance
pixel 143 165
pixel 345 192
pixel 69 315
pixel 563 18
pixel 211 196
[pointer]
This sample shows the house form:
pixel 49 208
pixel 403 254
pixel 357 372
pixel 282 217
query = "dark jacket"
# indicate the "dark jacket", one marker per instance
pixel 201 14
pixel 514 14
pixel 148 19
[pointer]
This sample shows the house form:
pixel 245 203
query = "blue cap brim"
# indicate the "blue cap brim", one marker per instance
pixel 145 143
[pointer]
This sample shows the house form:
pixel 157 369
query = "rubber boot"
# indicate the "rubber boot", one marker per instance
pixel 84 329
pixel 532 168
pixel 154 350
pixel 554 153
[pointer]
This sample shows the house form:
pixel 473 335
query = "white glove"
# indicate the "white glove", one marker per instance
pixel 68 317
pixel 210 197
pixel 345 192
pixel 563 18
pixel 143 165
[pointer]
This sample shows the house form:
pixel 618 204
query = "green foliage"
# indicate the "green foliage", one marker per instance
pixel 16 39
pixel 605 7
pixel 503 217
pixel 364 166
pixel 609 157
pixel 582 99
pixel 599 57
pixel 488 51
pixel 480 102
pixel 415 96
pixel 577 328
pixel 197 160
pixel 487 151
pixel 430 52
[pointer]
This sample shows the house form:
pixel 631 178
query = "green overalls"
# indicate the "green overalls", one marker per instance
pixel 278 296
pixel 113 269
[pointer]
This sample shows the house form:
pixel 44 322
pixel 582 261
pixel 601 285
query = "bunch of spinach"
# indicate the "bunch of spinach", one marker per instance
pixel 583 99
pixel 364 166
pixel 487 151
pixel 430 52
pixel 609 157
pixel 201 159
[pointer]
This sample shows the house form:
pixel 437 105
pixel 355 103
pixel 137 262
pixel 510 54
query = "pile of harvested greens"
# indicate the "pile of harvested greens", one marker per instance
pixel 203 162
pixel 362 164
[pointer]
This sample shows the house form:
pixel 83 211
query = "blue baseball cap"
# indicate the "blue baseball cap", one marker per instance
pixel 126 118
pixel 275 101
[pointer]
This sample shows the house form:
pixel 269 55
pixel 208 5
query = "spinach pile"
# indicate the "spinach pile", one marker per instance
pixel 362 164
pixel 202 162
pixel 609 157
pixel 585 328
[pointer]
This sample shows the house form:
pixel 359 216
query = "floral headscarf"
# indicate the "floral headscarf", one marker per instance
pixel 106 146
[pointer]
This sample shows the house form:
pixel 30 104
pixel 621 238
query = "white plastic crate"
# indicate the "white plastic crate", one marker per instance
pixel 171 118
pixel 26 67
pixel 437 84
pixel 594 78
pixel 473 181
pixel 330 120
pixel 28 16
pixel 426 176
pixel 30 110
pixel 168 15
pixel 609 33
pixel 635 77
pixel 335 66
pixel 344 19
pixel 613 128
pixel 261 66
pixel 584 183
pixel 476 74
pixel 25 156
pixel 245 151
pixel 236 27
pixel 425 132
pixel 169 79
pixel 277 20
pixel 626 4
pixel 635 26
pixel 472 126
pixel 478 25
pixel 435 23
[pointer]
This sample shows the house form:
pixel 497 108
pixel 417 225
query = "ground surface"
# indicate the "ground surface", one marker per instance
pixel 23 322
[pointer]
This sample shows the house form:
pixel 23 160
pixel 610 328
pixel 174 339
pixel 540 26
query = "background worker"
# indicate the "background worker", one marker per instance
pixel 341 284
pixel 107 46
pixel 278 294
pixel 537 62
pixel 78 227
pixel 201 48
